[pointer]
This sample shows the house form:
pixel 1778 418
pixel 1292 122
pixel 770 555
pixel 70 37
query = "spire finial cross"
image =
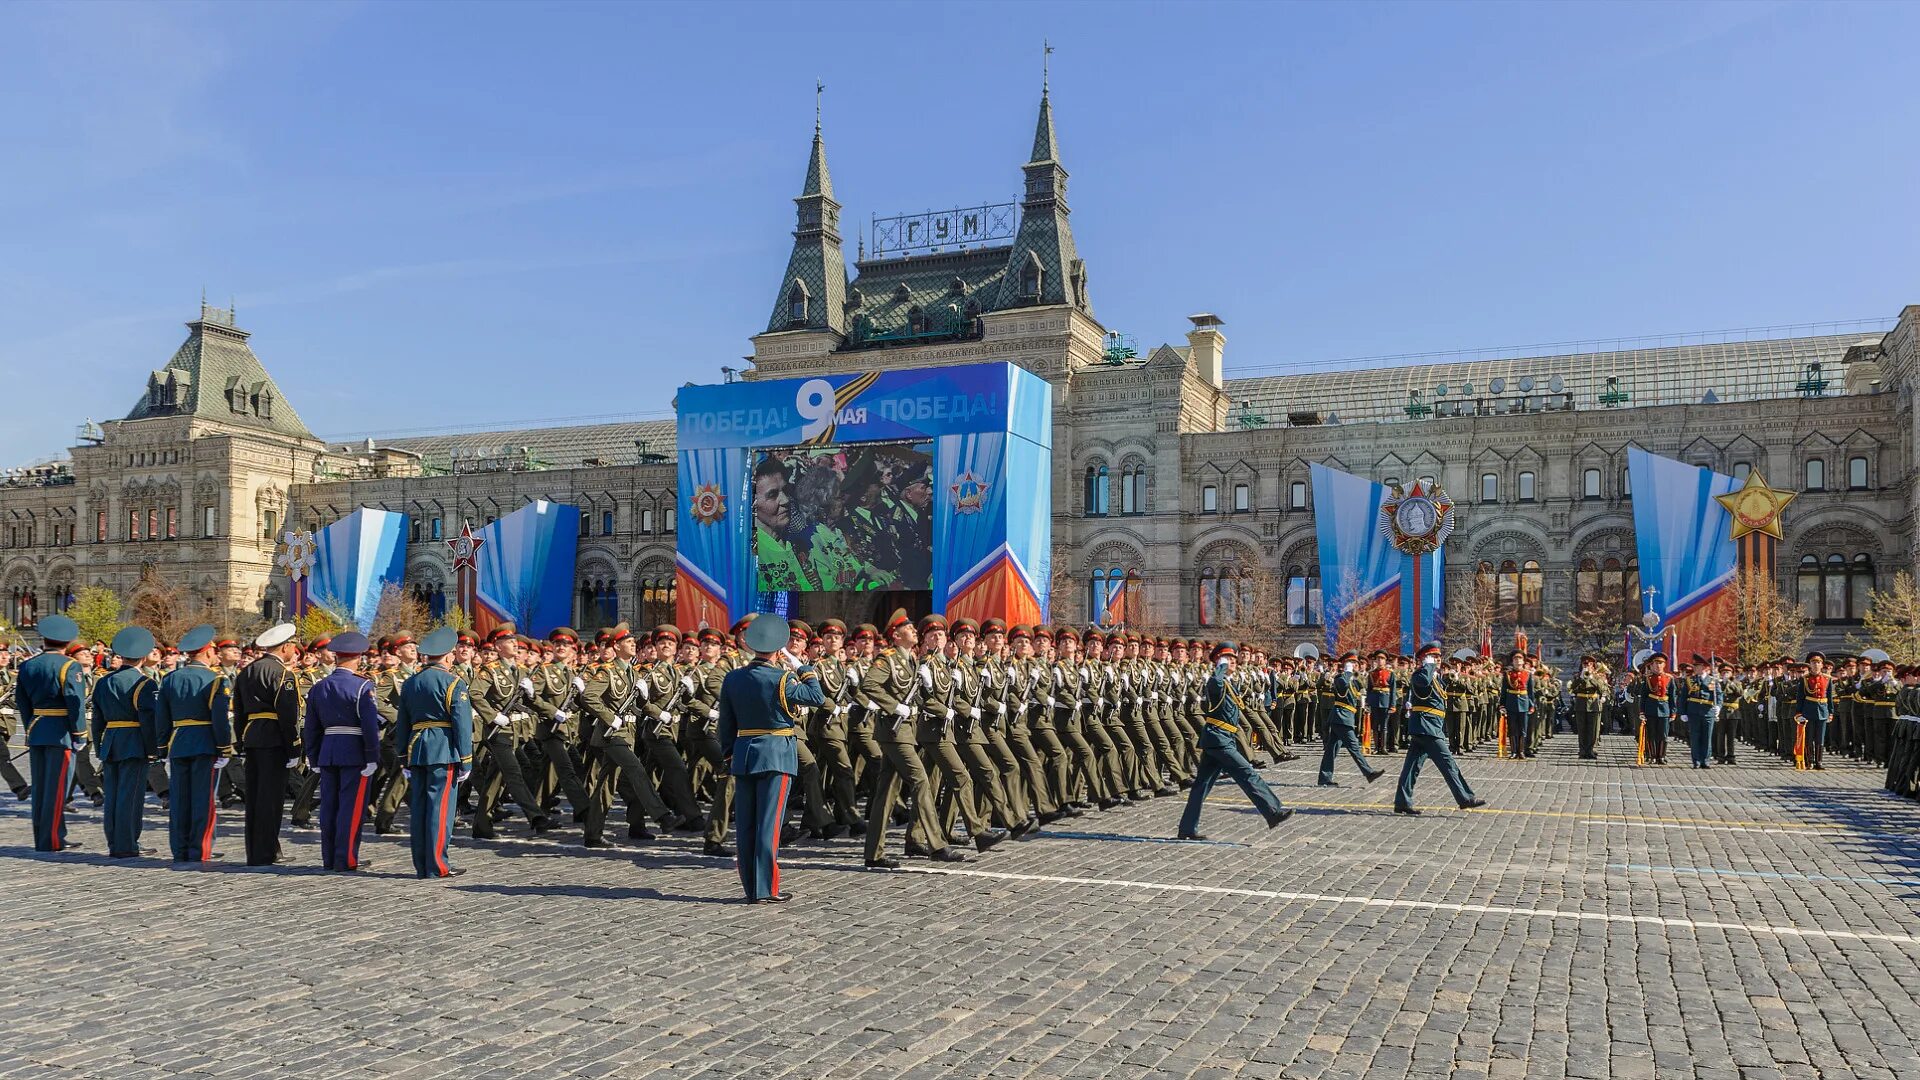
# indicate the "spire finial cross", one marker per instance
pixel 1046 58
pixel 819 88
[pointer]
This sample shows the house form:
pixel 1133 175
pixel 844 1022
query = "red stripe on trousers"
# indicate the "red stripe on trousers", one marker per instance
pixel 213 801
pixel 440 831
pixel 60 800
pixel 353 834
pixel 779 823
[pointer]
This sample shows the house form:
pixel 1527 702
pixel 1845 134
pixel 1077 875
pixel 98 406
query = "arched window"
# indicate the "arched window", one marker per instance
pixel 1108 597
pixel 1859 587
pixel 797 303
pixel 1532 587
pixel 656 598
pixel 1209 499
pixel 1030 279
pixel 1836 588
pixel 1526 487
pixel 1507 599
pixel 1590 484
pixel 1489 488
pixel 1741 469
pixel 1816 475
pixel 1133 489
pixel 1303 596
pixel 1586 586
pixel 1097 491
pixel 1856 474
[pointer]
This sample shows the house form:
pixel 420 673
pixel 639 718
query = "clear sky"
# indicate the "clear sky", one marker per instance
pixel 441 214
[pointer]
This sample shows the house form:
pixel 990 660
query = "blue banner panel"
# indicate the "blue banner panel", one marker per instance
pixel 872 406
pixel 1687 554
pixel 1359 567
pixel 526 564
pixel 356 558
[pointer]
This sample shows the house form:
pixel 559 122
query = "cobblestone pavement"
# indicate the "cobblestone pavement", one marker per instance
pixel 1595 921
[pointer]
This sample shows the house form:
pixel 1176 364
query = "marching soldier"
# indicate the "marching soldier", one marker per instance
pixel 267 701
pixel 123 730
pixel 556 684
pixel 895 687
pixel 9 716
pixel 611 699
pixel 191 717
pixel 342 740
pixel 1426 719
pixel 759 726
pixel 830 728
pixel 1220 751
pixel 433 728
pixel 502 697
pixel 1344 715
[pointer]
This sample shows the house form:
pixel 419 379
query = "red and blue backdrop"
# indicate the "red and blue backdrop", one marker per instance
pixel 354 560
pixel 1361 572
pixel 1687 554
pixel 991 426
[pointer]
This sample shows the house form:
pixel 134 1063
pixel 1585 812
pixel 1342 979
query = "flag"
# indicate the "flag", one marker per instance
pixel 1116 609
pixel 1486 642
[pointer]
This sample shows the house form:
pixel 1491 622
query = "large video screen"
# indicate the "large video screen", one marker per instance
pixel 851 518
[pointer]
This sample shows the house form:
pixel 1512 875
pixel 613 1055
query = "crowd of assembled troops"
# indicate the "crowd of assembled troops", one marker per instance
pixel 965 734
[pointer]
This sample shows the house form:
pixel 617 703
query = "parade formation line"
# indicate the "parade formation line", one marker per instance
pixel 1692 925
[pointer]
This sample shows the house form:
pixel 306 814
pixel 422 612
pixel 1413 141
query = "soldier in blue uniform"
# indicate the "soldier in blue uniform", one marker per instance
pixel 1427 736
pixel 51 698
pixel 123 729
pixel 1343 717
pixel 433 732
pixel 342 740
pixel 1219 741
pixel 761 707
pixel 190 717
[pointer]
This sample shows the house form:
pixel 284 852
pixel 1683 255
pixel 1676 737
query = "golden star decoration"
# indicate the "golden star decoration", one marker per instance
pixel 1756 507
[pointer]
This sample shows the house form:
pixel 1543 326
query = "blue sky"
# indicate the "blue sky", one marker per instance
pixel 436 215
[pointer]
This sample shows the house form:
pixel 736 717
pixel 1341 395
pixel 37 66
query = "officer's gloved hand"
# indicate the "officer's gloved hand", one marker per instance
pixel 619 722
pixel 503 720
pixel 902 711
pixel 367 770
pixel 466 772
pixel 527 685
pixel 220 763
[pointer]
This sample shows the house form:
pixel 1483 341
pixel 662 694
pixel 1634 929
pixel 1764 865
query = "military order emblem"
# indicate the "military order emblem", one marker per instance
pixel 1417 520
pixel 296 554
pixel 1756 507
pixel 969 493
pixel 708 505
pixel 466 548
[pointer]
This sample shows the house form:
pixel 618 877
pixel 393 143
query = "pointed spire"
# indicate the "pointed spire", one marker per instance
pixel 1045 147
pixel 819 181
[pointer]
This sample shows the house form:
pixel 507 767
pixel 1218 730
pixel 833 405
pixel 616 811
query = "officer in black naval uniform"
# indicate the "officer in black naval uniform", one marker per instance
pixel 266 705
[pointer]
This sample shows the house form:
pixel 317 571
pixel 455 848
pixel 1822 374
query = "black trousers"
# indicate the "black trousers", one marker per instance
pixel 551 751
pixel 266 768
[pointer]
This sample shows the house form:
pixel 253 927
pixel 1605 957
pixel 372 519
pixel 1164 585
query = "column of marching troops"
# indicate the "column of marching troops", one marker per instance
pixel 969 732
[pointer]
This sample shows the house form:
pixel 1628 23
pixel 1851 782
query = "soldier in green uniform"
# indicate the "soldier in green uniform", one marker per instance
pixel 1589 697
pixel 557 685
pixel 502 694
pixel 611 699
pixel 897 690
pixel 827 728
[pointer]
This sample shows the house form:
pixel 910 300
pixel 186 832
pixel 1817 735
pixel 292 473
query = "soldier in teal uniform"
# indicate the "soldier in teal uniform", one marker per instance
pixel 1344 716
pixel 123 729
pixel 1220 750
pixel 433 733
pixel 761 707
pixel 50 695
pixel 191 720
pixel 1427 736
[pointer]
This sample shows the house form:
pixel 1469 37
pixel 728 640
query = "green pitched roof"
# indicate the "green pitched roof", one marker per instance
pixel 215 375
pixel 889 289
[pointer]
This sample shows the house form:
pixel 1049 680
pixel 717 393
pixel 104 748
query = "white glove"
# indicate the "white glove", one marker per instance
pixel 503 721
pixel 713 714
pixel 687 681
pixel 521 717
pixel 220 763
pixel 973 714
pixel 926 676
pixel 619 722
pixel 1000 707
pixel 579 684
pixel 902 711
pixel 368 769
pixel 466 772
pixel 949 716
pixel 293 763
pixel 527 685
pixel 561 716
pixel 1050 703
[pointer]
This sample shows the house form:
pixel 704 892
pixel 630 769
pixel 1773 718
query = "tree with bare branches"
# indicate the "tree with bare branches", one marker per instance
pixel 165 608
pixel 399 612
pixel 1765 623
pixel 1470 613
pixel 1892 621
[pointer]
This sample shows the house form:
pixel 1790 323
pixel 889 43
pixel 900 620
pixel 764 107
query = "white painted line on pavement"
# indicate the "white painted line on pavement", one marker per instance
pixel 1757 929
